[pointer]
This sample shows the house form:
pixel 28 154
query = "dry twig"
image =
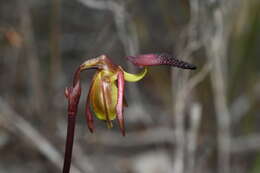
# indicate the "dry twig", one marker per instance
pixel 195 116
pixel 18 125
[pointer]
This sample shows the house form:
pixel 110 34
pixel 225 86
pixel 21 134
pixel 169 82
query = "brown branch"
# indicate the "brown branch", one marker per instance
pixel 55 73
pixel 246 144
pixel 34 76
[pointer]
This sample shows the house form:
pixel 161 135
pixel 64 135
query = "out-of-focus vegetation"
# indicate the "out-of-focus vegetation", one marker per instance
pixel 177 121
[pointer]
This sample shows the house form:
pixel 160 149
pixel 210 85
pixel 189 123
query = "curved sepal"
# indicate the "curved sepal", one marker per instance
pixel 88 114
pixel 120 101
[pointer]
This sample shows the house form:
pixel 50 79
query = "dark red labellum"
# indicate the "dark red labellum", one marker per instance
pixel 159 59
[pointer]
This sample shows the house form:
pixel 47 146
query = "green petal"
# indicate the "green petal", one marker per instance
pixel 135 77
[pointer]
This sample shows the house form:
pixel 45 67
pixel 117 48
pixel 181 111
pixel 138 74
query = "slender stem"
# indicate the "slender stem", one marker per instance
pixel 69 143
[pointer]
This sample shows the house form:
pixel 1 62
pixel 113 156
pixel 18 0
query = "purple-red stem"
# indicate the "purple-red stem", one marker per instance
pixel 69 143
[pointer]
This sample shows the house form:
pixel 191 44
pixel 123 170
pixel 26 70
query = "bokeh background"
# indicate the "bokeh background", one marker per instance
pixel 177 121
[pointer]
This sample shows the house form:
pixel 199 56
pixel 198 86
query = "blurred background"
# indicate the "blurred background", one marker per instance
pixel 177 121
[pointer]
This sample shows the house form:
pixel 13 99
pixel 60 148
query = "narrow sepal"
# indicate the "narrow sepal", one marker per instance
pixel 160 59
pixel 120 101
pixel 89 115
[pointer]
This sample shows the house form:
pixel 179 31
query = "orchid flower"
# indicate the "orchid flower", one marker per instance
pixel 106 94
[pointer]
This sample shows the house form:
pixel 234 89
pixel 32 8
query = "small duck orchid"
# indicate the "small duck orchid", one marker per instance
pixel 106 94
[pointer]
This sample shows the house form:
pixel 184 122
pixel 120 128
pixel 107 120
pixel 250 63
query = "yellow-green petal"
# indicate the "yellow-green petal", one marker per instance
pixel 135 77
